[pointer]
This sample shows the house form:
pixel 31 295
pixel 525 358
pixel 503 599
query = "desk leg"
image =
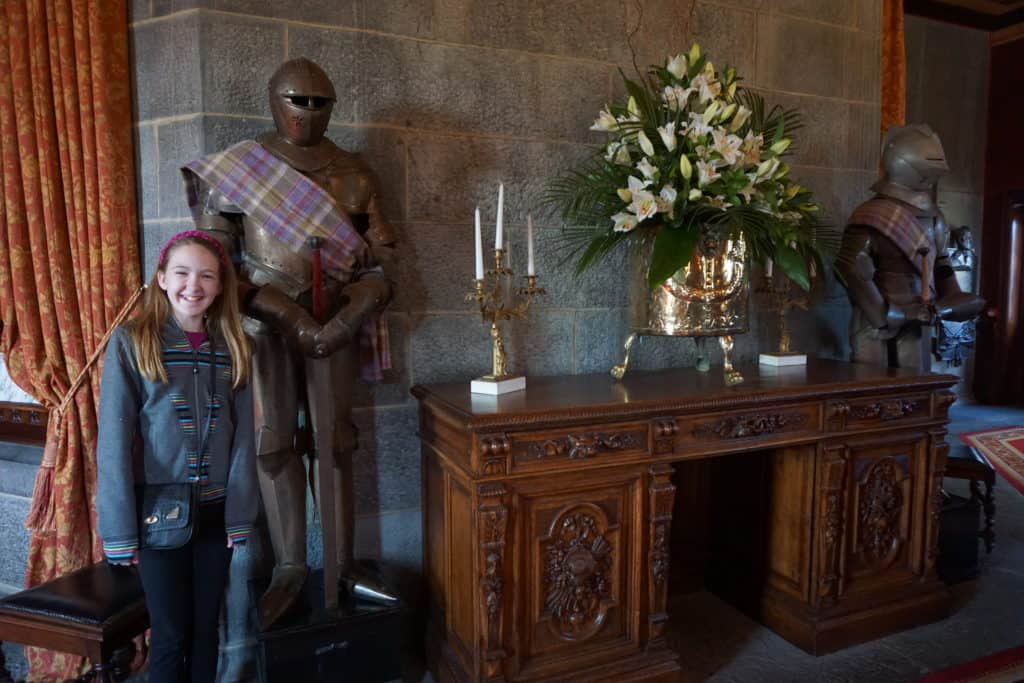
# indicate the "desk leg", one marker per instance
pixel 661 497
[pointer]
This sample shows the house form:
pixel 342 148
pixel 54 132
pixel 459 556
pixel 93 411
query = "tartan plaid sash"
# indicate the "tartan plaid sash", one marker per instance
pixel 291 207
pixel 897 221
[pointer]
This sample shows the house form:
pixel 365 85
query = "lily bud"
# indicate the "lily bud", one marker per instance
pixel 694 195
pixel 624 194
pixel 645 143
pixel 780 146
pixel 685 167
pixel 694 54
pixel 727 112
pixel 709 113
pixel 631 106
pixel 677 65
pixel 732 90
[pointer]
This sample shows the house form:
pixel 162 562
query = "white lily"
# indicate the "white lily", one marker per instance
pixel 675 96
pixel 706 173
pixel 624 222
pixel 605 122
pixel 748 191
pixel 622 157
pixel 645 167
pixel 752 148
pixel 677 65
pixel 644 205
pixel 668 135
pixel 645 143
pixel 636 185
pixel 719 202
pixel 697 127
pixel 742 114
pixel 667 200
pixel 624 194
pixel 727 146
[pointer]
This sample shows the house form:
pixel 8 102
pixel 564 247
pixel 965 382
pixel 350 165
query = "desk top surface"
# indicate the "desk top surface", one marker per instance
pixel 673 389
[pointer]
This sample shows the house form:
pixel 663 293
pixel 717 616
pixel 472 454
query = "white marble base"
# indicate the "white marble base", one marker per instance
pixel 496 388
pixel 778 359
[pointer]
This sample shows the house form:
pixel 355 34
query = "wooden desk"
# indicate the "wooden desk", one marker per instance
pixel 548 513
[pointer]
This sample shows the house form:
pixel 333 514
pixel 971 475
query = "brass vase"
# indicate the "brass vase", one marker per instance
pixel 706 298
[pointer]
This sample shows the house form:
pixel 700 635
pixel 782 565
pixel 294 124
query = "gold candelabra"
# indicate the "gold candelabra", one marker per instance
pixel 781 297
pixel 499 301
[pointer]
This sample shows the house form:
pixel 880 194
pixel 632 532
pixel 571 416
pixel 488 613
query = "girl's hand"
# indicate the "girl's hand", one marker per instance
pixel 230 544
pixel 135 558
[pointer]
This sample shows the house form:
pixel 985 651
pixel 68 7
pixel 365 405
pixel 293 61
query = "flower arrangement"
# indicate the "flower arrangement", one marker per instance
pixel 691 150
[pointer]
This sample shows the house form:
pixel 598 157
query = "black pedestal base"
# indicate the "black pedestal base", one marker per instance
pixel 361 641
pixel 958 539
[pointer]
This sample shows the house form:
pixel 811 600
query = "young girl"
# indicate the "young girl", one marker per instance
pixel 177 482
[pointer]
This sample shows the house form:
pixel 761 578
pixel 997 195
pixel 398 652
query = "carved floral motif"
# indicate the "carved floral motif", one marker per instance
pixel 889 409
pixel 881 505
pixel 577 567
pixel 492 527
pixel 742 426
pixel 660 553
pixel 580 446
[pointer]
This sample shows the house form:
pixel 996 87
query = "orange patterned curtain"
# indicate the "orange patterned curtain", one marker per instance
pixel 894 66
pixel 69 250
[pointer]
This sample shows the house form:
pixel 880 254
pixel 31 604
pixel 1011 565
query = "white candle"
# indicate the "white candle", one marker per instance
pixel 529 244
pixel 479 248
pixel 498 242
pixel 768 268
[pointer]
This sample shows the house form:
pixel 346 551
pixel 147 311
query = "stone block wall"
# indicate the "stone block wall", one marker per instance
pixel 445 98
pixel 947 88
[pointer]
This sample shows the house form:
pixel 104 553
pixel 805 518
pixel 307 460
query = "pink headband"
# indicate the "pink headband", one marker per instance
pixel 198 234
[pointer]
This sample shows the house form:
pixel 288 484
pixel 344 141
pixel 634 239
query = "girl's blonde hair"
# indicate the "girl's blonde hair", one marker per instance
pixel 222 316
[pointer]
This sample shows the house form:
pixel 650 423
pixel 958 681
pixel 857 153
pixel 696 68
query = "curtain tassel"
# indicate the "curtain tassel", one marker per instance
pixel 41 516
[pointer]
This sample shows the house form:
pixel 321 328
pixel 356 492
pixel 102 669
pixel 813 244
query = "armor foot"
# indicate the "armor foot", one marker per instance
pixel 703 362
pixel 365 584
pixel 285 588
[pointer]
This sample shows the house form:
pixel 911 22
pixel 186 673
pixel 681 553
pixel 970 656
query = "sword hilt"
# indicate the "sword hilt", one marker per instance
pixel 315 243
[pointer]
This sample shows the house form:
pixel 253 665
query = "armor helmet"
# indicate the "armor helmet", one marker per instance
pixel 301 99
pixel 912 157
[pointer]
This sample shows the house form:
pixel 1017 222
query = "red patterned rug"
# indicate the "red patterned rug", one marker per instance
pixel 1002 667
pixel 1004 448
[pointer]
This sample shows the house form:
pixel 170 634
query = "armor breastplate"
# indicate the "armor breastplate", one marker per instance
pixel 267 260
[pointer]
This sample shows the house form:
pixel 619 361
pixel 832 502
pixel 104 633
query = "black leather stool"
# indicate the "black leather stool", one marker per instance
pixel 93 612
pixel 965 462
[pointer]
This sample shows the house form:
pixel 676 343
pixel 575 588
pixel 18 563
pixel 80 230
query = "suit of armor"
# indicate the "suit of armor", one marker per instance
pixel 276 292
pixel 898 276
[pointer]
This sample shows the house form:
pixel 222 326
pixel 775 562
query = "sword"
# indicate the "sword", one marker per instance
pixel 318 378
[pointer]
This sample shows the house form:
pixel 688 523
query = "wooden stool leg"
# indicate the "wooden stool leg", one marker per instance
pixel 989 505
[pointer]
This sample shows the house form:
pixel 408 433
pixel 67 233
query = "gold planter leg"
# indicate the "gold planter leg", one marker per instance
pixel 732 375
pixel 703 362
pixel 620 370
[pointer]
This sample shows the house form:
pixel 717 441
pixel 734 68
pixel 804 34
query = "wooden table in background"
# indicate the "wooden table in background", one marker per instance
pixel 552 520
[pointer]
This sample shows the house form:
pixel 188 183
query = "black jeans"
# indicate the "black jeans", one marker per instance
pixel 184 590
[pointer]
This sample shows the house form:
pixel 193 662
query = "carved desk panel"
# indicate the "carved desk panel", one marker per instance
pixel 548 513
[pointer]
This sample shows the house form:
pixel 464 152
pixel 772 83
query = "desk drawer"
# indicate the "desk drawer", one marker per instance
pixel 534 451
pixel 742 429
pixel 873 412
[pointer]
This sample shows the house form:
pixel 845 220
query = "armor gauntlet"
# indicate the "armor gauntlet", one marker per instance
pixel 362 297
pixel 274 308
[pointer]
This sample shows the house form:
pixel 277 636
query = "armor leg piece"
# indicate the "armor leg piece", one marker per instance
pixel 282 480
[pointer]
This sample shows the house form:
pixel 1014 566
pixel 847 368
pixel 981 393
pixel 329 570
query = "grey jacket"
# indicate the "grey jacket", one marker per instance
pixel 193 429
